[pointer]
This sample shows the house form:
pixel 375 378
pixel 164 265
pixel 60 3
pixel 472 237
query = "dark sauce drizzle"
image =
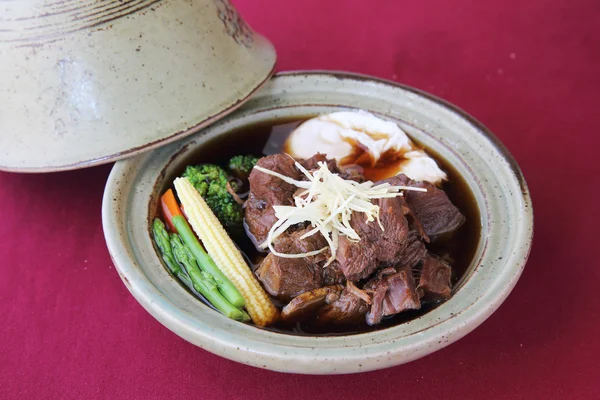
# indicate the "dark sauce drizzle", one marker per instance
pixel 268 138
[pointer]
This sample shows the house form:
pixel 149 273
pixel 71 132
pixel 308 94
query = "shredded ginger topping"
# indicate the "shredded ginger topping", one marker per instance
pixel 327 203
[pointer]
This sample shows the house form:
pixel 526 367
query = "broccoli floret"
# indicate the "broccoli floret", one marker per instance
pixel 211 182
pixel 241 166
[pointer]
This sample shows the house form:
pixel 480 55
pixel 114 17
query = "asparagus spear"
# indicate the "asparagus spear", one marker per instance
pixel 203 282
pixel 206 262
pixel 162 240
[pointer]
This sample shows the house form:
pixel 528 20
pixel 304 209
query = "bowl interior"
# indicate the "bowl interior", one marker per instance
pixel 490 172
pixel 267 135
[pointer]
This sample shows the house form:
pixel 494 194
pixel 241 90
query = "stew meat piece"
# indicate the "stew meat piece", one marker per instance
pixel 351 173
pixel 313 163
pixel 433 208
pixel 286 278
pixel 267 191
pixel 308 303
pixel 393 291
pixel 345 308
pixel 327 305
pixel 357 259
pixel 397 244
pixel 435 280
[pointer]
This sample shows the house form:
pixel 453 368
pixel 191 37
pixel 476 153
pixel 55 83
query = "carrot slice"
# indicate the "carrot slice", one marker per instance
pixel 170 208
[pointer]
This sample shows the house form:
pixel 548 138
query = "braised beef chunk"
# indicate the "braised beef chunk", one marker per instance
pixel 413 222
pixel 313 162
pixel 360 259
pixel 353 173
pixel 413 250
pixel 389 242
pixel 342 309
pixel 266 191
pixel 433 208
pixel 306 304
pixel 396 244
pixel 356 259
pixel 332 273
pixel 286 278
pixel 434 282
pixel 329 305
pixel 393 292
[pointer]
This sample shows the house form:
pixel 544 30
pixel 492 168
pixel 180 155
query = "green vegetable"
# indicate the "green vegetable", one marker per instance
pixel 162 240
pixel 203 282
pixel 241 166
pixel 211 182
pixel 206 262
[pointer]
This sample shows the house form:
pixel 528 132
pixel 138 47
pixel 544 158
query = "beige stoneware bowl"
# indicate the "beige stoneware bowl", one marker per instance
pixel 494 177
pixel 85 82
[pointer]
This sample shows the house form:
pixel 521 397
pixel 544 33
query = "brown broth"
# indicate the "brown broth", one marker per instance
pixel 269 138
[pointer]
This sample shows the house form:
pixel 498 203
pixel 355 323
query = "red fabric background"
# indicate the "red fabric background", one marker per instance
pixel 527 69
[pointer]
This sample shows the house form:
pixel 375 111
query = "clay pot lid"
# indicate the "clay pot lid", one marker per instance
pixel 91 82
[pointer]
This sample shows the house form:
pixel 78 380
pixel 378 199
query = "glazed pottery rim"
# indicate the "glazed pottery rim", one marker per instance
pixel 471 316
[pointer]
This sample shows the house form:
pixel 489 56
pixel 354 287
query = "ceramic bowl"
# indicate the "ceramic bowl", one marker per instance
pixel 91 81
pixel 494 177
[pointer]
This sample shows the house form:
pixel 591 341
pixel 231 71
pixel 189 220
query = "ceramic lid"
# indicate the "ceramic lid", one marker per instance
pixel 88 82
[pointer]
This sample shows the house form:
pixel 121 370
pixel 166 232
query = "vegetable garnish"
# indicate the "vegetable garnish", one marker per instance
pixel 212 183
pixel 206 262
pixel 203 282
pixel 327 203
pixel 241 166
pixel 170 208
pixel 163 242
pixel 225 253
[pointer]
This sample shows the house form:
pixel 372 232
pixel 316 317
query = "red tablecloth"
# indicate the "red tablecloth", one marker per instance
pixel 528 69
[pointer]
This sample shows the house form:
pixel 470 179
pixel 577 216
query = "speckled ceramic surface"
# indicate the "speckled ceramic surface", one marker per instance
pixel 86 82
pixel 496 181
